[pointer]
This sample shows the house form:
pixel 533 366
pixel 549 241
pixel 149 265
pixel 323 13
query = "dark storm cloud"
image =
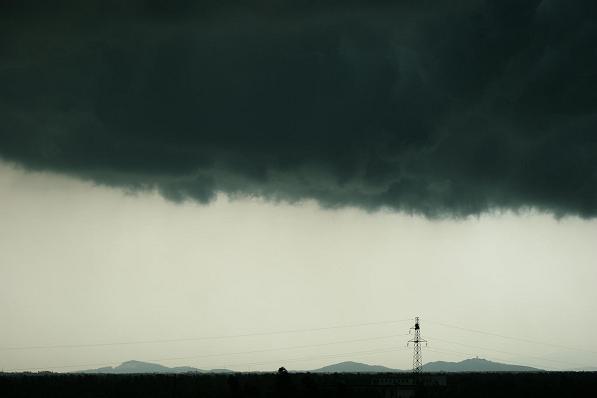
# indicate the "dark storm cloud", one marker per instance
pixel 433 107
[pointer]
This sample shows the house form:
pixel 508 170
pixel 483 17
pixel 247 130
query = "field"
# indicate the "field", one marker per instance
pixel 545 384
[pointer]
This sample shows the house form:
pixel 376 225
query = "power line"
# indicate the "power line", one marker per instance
pixel 301 359
pixel 470 354
pixel 218 354
pixel 513 338
pixel 282 348
pixel 268 333
pixel 222 337
pixel 510 353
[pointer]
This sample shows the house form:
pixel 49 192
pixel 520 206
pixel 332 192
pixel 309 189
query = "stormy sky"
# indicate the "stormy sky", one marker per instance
pixel 435 108
pixel 215 168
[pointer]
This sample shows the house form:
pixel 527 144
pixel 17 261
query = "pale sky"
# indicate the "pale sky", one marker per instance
pixel 89 265
pixel 257 184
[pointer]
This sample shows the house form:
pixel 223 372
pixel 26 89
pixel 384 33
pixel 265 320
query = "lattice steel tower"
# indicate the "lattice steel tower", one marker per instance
pixel 417 340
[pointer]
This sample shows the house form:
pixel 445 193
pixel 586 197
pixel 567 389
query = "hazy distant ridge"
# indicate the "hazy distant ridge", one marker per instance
pixel 468 365
pixel 354 367
pixel 476 365
pixel 131 367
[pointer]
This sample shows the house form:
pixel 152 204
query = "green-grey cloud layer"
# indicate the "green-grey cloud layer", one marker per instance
pixel 432 107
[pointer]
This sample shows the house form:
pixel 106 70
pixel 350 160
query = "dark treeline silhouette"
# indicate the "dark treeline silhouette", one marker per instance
pixel 282 384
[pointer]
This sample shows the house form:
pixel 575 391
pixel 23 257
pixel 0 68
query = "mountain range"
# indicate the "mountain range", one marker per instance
pixel 468 365
pixel 131 367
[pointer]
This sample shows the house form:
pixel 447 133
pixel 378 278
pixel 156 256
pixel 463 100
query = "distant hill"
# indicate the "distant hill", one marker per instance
pixel 354 367
pixel 475 365
pixel 585 369
pixel 468 365
pixel 131 367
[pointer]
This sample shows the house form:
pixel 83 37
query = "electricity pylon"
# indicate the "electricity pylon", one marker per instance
pixel 417 340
